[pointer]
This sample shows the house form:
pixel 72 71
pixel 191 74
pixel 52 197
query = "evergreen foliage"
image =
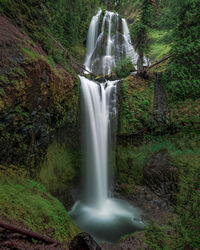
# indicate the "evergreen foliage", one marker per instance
pixel 139 29
pixel 124 67
pixel 182 76
pixel 67 21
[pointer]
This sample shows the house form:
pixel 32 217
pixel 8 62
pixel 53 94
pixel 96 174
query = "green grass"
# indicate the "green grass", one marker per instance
pixel 26 201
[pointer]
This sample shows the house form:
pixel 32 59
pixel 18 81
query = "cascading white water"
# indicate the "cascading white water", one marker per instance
pixel 97 108
pixel 107 219
pixel 92 37
pixel 110 45
pixel 130 51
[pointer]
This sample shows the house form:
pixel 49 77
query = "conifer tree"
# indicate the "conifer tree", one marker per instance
pixel 140 31
pixel 182 76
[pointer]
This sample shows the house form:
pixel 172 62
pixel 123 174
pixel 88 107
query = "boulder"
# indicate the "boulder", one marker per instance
pixel 84 241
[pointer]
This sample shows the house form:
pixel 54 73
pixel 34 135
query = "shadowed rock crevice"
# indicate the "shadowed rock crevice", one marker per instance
pixel 159 176
pixel 160 109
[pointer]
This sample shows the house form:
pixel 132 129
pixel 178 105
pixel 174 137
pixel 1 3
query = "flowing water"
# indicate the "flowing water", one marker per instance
pixel 105 218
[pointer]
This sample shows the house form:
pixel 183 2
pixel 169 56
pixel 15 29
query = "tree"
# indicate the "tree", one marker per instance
pixel 139 31
pixel 182 76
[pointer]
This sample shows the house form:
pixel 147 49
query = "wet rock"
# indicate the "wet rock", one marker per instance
pixel 48 117
pixel 152 206
pixel 9 119
pixel 27 131
pixel 36 128
pixel 148 197
pixel 45 78
pixel 16 59
pixel 112 77
pixel 100 78
pixel 84 241
pixel 34 113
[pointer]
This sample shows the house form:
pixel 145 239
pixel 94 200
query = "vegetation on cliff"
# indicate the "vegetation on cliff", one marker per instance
pixel 174 28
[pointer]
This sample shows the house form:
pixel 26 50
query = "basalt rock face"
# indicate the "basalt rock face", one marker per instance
pixel 36 98
pixel 160 112
pixel 159 176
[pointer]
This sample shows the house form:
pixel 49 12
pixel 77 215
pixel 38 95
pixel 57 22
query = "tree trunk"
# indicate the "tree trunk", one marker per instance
pixel 140 66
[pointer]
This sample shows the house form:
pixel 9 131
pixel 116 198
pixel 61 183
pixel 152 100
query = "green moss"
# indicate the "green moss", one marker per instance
pixel 60 167
pixel 2 92
pixel 185 115
pixel 51 61
pixel 32 55
pixel 18 72
pixel 129 163
pixel 28 202
pixel 1 104
pixel 136 105
pixel 4 79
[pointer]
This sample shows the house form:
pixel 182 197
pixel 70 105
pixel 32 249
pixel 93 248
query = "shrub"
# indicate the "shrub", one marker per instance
pixel 124 67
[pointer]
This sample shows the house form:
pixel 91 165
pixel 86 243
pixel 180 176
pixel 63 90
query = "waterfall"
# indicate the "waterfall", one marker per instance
pixel 110 45
pixel 97 212
pixel 130 51
pixel 91 39
pixel 98 107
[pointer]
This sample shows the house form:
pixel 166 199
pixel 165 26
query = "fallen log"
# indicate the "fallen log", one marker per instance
pixel 160 61
pixel 28 233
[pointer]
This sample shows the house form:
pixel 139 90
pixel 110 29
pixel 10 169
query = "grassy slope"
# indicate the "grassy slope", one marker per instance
pixel 26 201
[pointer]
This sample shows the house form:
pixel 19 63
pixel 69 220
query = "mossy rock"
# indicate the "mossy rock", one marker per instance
pixel 59 168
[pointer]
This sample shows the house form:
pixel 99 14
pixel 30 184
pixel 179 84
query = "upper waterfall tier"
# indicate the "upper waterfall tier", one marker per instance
pixel 108 42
